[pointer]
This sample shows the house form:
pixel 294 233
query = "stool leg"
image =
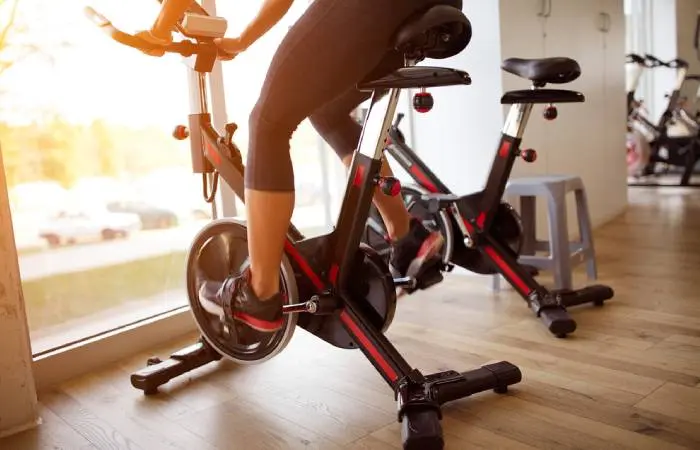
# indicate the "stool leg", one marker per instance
pixel 586 232
pixel 559 241
pixel 528 214
pixel 496 282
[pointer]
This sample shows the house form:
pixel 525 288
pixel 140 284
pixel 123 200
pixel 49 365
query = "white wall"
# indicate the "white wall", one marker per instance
pixel 663 46
pixel 686 17
pixel 458 138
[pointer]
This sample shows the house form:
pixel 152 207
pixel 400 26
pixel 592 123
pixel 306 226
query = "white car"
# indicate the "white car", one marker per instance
pixel 69 227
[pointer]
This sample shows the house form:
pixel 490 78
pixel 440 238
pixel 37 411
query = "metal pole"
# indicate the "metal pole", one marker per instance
pixel 219 118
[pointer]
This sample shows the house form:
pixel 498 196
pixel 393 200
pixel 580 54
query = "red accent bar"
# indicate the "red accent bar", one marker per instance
pixel 423 179
pixel 481 219
pixel 333 274
pixel 212 153
pixel 359 176
pixel 303 265
pixel 367 345
pixel 504 150
pixel 520 284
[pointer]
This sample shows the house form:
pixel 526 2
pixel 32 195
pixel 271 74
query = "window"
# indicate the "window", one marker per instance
pixel 103 200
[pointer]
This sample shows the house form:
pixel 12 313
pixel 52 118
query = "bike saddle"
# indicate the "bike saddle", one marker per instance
pixel 438 32
pixel 544 70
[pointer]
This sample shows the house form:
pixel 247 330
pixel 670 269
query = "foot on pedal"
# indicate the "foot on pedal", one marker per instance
pixel 410 253
pixel 235 301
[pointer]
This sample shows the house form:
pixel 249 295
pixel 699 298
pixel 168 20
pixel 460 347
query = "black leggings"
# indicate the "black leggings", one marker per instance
pixel 332 47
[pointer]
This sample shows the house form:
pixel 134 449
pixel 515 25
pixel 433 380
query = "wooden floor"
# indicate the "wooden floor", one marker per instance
pixel 628 378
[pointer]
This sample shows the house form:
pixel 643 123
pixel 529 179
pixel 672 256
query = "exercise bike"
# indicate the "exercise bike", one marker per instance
pixel 482 233
pixel 666 148
pixel 335 287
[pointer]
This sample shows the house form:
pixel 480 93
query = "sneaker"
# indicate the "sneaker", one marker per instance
pixel 241 304
pixel 411 252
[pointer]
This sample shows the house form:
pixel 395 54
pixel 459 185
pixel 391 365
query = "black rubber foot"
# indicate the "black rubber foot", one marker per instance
pixel 421 430
pixel 596 294
pixel 558 321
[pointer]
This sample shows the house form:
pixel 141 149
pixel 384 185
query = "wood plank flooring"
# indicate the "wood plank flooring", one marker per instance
pixel 629 378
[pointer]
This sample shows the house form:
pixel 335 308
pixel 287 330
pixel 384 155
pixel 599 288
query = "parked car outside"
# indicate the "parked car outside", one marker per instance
pixel 70 227
pixel 152 217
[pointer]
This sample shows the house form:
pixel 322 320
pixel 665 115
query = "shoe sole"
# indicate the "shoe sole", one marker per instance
pixel 260 325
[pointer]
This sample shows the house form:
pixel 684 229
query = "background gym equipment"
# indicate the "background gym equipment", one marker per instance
pixel 482 233
pixel 335 287
pixel 673 140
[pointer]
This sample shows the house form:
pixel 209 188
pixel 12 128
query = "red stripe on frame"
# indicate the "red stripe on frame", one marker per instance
pixel 212 153
pixel 504 150
pixel 423 179
pixel 481 220
pixel 520 284
pixel 303 265
pixel 359 176
pixel 333 274
pixel 364 341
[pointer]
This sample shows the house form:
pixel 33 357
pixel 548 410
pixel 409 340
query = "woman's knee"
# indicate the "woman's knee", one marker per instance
pixel 269 164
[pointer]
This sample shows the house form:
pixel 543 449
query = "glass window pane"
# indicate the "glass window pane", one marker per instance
pixel 104 203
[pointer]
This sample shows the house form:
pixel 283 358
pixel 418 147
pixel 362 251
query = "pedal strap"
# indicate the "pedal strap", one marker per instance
pixel 226 294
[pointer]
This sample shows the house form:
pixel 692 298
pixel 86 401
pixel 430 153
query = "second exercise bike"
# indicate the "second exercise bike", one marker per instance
pixel 482 233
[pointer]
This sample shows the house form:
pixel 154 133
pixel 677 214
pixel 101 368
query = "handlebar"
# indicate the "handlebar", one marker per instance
pixel 184 47
pixel 653 61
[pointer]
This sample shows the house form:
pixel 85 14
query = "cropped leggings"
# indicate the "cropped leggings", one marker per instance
pixel 314 73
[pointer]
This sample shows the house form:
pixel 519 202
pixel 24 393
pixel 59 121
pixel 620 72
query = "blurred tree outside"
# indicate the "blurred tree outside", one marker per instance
pixel 8 14
pixel 51 148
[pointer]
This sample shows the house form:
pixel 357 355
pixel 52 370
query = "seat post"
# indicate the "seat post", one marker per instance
pixel 198 92
pixel 516 121
pixel 376 127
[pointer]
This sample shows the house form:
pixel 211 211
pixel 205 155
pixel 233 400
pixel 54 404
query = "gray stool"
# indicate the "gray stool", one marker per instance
pixel 563 254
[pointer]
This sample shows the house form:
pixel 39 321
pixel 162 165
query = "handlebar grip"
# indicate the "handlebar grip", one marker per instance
pixel 123 38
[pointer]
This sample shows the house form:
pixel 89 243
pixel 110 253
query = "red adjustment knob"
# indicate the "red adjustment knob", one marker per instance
pixel 181 133
pixel 550 112
pixel 389 186
pixel 529 155
pixel 423 101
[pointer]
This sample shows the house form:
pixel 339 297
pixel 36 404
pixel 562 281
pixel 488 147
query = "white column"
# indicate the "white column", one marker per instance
pixel 18 402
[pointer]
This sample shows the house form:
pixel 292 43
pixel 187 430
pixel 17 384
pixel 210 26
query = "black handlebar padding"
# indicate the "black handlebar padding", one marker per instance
pixel 184 47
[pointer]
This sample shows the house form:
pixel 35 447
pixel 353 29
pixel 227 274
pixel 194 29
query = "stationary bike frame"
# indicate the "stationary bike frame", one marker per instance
pixel 473 215
pixel 682 150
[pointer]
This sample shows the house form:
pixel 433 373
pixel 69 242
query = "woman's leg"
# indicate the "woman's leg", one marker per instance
pixel 334 123
pixel 328 50
pixel 412 243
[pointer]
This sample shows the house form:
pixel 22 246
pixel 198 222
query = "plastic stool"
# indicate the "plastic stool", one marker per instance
pixel 564 255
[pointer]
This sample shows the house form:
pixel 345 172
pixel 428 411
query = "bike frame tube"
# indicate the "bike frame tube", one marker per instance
pixel 361 184
pixel 681 73
pixel 470 221
pixel 221 156
pixel 411 163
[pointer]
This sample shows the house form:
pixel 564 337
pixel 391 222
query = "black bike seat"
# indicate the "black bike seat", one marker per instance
pixel 438 32
pixel 558 70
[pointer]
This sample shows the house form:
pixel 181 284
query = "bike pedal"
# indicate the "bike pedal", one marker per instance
pixel 431 275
